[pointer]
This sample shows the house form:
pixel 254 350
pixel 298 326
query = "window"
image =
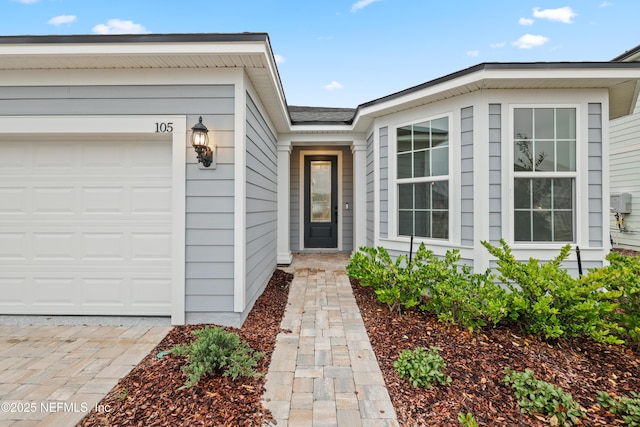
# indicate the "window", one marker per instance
pixel 544 165
pixel 423 179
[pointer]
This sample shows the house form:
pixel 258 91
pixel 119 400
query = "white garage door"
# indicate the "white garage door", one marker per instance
pixel 85 226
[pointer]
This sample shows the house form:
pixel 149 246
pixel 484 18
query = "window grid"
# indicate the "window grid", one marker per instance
pixel 530 167
pixel 427 220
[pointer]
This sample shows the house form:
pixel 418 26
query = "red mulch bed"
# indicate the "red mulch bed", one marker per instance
pixel 476 363
pixel 149 395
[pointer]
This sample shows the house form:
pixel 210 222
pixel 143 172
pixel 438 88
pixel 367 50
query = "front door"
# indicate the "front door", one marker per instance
pixel 321 202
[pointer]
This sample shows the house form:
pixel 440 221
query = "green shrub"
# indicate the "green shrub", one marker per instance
pixel 215 350
pixel 467 420
pixel 622 278
pixel 462 297
pixel 546 301
pixel 537 396
pixel 422 367
pixel 627 407
pixel 400 284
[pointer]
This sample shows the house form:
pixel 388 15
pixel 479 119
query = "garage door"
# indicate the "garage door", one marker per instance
pixel 85 226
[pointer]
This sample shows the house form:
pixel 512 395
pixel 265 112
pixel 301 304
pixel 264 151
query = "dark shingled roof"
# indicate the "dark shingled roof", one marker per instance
pixel 320 115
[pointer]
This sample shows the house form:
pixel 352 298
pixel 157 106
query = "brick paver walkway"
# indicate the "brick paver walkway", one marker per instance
pixel 324 372
pixel 52 376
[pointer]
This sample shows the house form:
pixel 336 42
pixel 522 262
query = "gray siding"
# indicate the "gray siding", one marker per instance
pixel 261 204
pixel 209 203
pixel 370 193
pixel 384 182
pixel 495 173
pixel 466 176
pixel 295 197
pixel 595 175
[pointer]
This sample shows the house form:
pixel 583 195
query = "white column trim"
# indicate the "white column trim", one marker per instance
pixel 359 151
pixel 240 205
pixel 284 194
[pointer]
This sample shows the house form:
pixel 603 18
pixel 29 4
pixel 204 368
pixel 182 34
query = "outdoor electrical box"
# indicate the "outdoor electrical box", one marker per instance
pixel 621 203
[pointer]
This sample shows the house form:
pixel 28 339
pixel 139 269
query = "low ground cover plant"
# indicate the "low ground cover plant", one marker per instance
pixel 216 350
pixel 421 367
pixel 627 407
pixel 537 396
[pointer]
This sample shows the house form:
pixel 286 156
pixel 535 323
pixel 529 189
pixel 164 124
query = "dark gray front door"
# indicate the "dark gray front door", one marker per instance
pixel 321 202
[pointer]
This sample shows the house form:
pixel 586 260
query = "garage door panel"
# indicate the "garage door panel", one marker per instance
pixel 150 246
pixel 58 200
pixel 85 227
pixel 104 200
pixel 13 291
pixel 13 247
pixel 104 246
pixel 57 291
pixel 151 200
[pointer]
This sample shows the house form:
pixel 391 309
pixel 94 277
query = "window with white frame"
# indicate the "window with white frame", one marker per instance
pixel 544 171
pixel 423 179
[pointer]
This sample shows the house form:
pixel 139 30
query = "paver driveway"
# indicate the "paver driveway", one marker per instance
pixel 54 375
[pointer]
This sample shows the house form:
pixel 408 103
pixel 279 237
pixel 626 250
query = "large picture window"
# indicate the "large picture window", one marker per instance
pixel 544 166
pixel 423 179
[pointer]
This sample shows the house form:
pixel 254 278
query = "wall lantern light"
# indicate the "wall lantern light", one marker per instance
pixel 200 142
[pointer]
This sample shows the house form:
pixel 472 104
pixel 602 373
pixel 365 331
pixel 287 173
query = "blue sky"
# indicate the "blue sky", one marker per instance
pixel 341 53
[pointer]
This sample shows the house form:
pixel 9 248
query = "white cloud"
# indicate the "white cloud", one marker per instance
pixel 497 45
pixel 526 21
pixel 62 19
pixel 361 4
pixel 27 1
pixel 334 85
pixel 605 4
pixel 279 58
pixel 529 40
pixel 117 26
pixel 473 53
pixel 562 14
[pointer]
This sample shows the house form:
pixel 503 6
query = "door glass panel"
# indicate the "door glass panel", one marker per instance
pixel 320 181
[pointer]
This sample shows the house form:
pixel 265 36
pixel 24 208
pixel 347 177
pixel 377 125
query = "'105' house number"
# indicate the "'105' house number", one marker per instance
pixel 164 127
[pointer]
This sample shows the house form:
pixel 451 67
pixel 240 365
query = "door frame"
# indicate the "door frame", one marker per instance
pixel 303 154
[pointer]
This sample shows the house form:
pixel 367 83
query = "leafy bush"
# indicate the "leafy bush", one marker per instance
pixel 548 302
pixel 422 367
pixel 214 350
pixel 622 277
pixel 627 407
pixel 462 297
pixel 400 284
pixel 537 396
pixel 467 420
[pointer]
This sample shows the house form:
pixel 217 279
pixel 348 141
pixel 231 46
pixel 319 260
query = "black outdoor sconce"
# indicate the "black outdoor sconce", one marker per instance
pixel 200 142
